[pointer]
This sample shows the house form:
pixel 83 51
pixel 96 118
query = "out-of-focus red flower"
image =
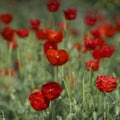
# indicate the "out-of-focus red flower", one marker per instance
pixel 12 44
pixel 57 57
pixel 38 101
pixel 89 20
pixel 49 45
pixel 103 52
pixel 96 53
pixel 92 64
pixel 22 32
pixel 107 29
pixel 35 23
pixel 89 43
pixel 53 5
pixel 54 36
pixel 6 18
pixel 41 34
pixel 106 83
pixel 70 14
pixel 107 51
pixel 95 32
pixel 51 90
pixel 77 45
pixel 8 33
pixel 9 72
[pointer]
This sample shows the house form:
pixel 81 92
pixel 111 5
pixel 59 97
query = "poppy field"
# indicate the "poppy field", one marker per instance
pixel 59 60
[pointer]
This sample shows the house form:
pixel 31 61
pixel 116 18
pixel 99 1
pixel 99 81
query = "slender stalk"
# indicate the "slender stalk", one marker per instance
pixel 104 106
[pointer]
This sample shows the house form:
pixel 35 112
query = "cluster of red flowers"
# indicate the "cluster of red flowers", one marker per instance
pixel 7 72
pixel 95 42
pixel 69 14
pixel 40 99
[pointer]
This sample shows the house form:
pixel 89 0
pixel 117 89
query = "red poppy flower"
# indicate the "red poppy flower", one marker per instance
pixel 95 32
pixel 22 32
pixel 89 43
pixel 8 33
pixel 57 57
pixel 53 5
pixel 13 44
pixel 106 83
pixel 107 29
pixel 6 18
pixel 38 101
pixel 51 90
pixel 103 52
pixel 92 64
pixel 49 45
pixel 107 51
pixel 96 53
pixel 70 14
pixel 41 34
pixel 90 20
pixel 54 36
pixel 35 23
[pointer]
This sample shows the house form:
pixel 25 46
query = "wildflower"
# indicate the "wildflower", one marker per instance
pixel 8 33
pixel 57 57
pixel 92 64
pixel 106 83
pixel 54 36
pixel 35 23
pixel 22 32
pixel 49 45
pixel 90 20
pixel 70 14
pixel 51 90
pixel 107 29
pixel 53 5
pixel 6 18
pixel 41 34
pixel 38 101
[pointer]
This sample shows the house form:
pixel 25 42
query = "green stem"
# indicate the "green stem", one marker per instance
pixel 9 57
pixel 104 103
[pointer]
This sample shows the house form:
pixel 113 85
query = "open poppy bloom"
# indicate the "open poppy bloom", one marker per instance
pixel 35 23
pixel 92 64
pixel 51 90
pixel 49 45
pixel 90 20
pixel 89 43
pixel 41 34
pixel 106 83
pixel 57 57
pixel 107 29
pixel 38 101
pixel 22 32
pixel 53 5
pixel 6 18
pixel 8 33
pixel 70 14
pixel 54 36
